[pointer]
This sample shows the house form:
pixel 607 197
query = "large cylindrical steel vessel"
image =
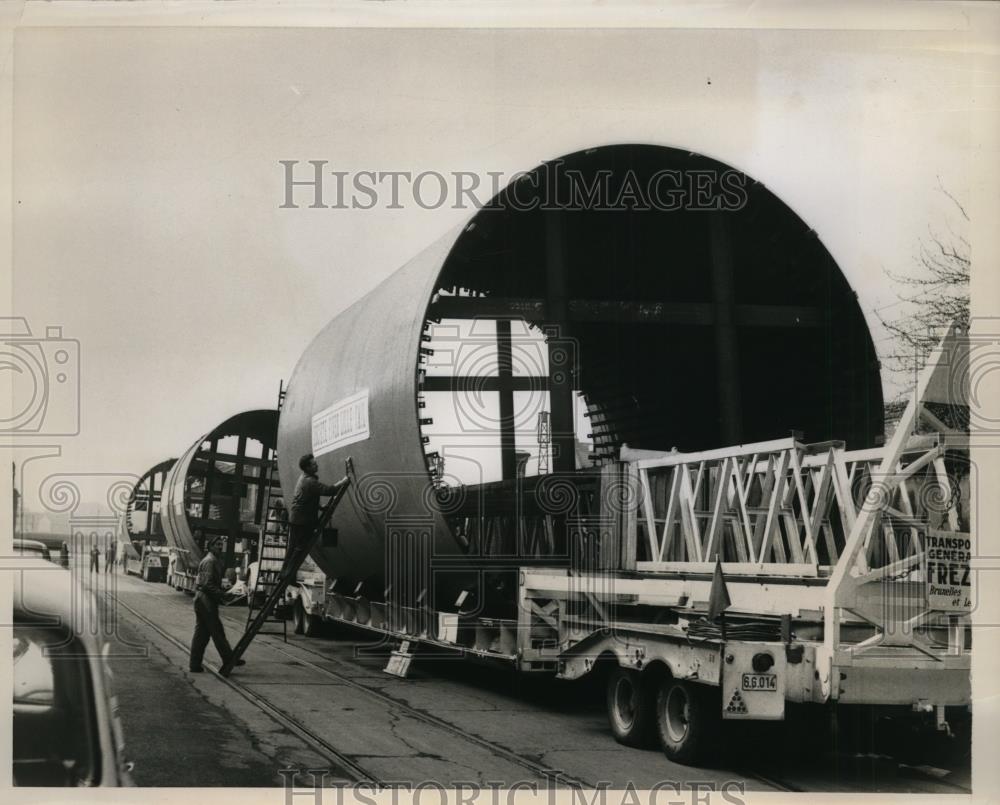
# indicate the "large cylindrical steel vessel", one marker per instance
pixel 141 521
pixel 708 315
pixel 217 486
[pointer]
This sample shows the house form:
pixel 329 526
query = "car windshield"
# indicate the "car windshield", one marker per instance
pixel 55 729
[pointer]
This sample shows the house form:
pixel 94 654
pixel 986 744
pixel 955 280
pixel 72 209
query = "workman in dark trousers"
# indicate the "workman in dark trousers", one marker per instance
pixel 303 515
pixel 109 558
pixel 95 561
pixel 206 610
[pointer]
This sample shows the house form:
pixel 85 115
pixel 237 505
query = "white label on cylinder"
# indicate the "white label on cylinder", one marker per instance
pixel 344 422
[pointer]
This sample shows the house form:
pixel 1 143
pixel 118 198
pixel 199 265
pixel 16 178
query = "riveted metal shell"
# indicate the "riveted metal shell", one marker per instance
pixel 372 347
pixel 178 524
pixel 821 377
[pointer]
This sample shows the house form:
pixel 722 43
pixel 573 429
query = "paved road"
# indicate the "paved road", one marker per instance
pixel 449 722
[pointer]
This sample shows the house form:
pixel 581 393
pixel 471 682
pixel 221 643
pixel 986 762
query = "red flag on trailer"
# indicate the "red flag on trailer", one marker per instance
pixel 718 599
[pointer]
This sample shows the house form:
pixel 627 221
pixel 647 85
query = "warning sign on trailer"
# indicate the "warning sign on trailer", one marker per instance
pixel 949 580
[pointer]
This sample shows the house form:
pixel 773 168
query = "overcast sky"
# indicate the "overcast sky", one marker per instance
pixel 147 183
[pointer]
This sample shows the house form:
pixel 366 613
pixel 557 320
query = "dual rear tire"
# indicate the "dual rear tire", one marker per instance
pixel 683 716
pixel 306 624
pixel 688 719
pixel 630 707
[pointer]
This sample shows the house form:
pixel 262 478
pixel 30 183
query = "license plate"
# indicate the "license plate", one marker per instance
pixel 763 682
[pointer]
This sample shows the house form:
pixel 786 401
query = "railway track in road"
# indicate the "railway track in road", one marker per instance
pixel 275 644
pixel 356 772
pixel 471 737
pixel 338 760
pixel 770 781
pixel 427 718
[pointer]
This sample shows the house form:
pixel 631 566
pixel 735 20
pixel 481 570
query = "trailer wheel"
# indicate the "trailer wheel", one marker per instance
pixel 685 720
pixel 299 617
pixel 630 707
pixel 313 626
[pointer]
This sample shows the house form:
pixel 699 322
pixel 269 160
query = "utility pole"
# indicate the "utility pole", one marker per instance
pixel 16 496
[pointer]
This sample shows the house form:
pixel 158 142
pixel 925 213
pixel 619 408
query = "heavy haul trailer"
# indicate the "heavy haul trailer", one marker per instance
pixel 217 488
pixel 848 574
pixel 685 328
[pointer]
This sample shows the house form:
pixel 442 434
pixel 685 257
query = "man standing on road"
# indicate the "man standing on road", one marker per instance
pixel 109 557
pixel 303 515
pixel 206 610
pixel 95 562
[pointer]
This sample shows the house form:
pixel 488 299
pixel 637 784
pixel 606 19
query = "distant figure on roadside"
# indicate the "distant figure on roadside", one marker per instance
pixel 120 558
pixel 199 539
pixel 303 515
pixel 64 555
pixel 207 598
pixel 109 557
pixel 95 561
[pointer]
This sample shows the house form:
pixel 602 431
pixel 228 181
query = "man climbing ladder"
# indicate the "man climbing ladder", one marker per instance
pixel 303 514
pixel 299 545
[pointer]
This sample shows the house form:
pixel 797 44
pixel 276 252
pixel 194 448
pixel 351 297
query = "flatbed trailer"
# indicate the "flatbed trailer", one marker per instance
pixel 844 578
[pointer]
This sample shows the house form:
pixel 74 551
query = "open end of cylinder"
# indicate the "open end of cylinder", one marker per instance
pixel 218 487
pixel 633 295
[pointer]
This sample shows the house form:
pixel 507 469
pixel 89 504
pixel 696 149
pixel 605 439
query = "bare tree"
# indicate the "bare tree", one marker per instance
pixel 930 297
